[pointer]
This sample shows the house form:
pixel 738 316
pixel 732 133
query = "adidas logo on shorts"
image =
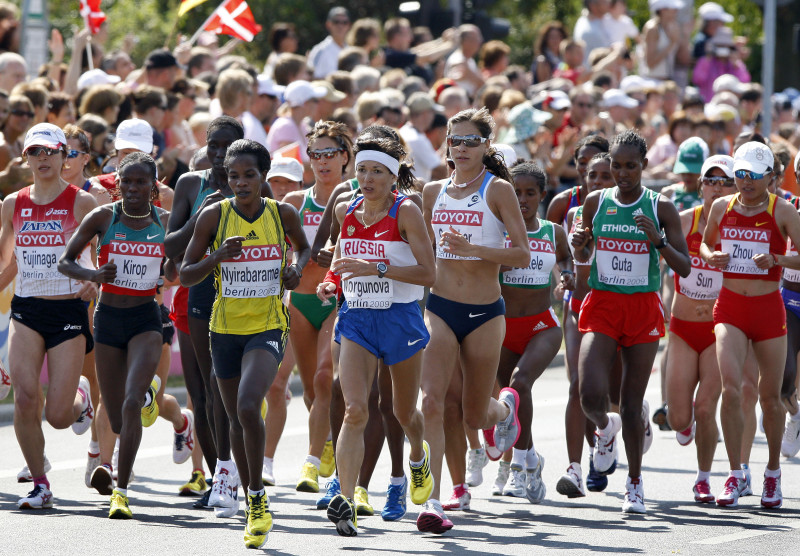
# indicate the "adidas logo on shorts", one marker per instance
pixel 654 332
pixel 540 326
pixel 273 345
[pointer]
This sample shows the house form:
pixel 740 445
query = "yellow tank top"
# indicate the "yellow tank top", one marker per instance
pixel 250 287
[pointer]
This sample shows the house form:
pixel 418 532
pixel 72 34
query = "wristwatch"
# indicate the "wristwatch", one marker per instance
pixel 382 269
pixel 663 243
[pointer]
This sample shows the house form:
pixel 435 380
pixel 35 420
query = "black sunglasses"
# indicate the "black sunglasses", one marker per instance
pixel 22 113
pixel 470 141
pixel 39 151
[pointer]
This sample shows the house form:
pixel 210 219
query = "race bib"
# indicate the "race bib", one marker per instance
pixel 742 244
pixel 622 262
pixel 537 273
pixel 38 254
pixel 789 274
pixel 469 223
pixel 704 281
pixel 138 263
pixel 254 273
pixel 368 292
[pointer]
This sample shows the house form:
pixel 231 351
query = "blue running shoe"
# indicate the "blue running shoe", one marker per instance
pixel 596 482
pixel 333 488
pixel 395 507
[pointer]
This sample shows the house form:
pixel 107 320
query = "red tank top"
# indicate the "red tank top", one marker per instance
pixel 743 237
pixel 704 281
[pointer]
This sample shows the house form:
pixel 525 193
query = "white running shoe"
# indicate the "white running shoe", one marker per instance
pixel 535 488
pixel 115 464
pixel 771 496
pixel 226 503
pixel 605 452
pixel 84 420
pixel 476 461
pixel 506 432
pixel 634 497
pixel 92 463
pixel 267 474
pixel 648 430
pixel 459 500
pixel 790 444
pixel 571 483
pixel 516 482
pixel 686 436
pixel 24 476
pixel 5 382
pixel 184 441
pixel 502 478
pixel 730 493
pixel 39 498
pixel 746 486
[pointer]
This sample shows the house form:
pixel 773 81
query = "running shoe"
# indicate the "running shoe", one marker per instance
pixel 648 430
pixel 476 461
pixel 790 444
pixel 634 497
pixel 516 482
pixel 84 420
pixel 660 418
pixel 150 407
pixel 686 436
pixel 5 383
pixel 327 465
pixel 745 487
pixel 267 474
pixel 24 475
pixel 432 519
pixel 361 501
pixel 331 490
pixel 202 503
pixel 702 492
pixel 309 478
pixel 595 482
pixel 102 480
pixel 605 446
pixel 259 518
pixel 395 506
pixel 92 463
pixel 488 444
pixel 730 493
pixel 254 541
pixel 459 500
pixel 771 496
pixel 571 483
pixel 196 486
pixel 506 432
pixel 225 494
pixel 421 478
pixel 184 441
pixel 40 498
pixel 502 478
pixel 342 513
pixel 119 506
pixel 535 488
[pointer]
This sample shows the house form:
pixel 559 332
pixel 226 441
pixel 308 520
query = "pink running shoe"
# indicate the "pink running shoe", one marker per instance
pixel 459 500
pixel 432 519
pixel 488 443
pixel 702 493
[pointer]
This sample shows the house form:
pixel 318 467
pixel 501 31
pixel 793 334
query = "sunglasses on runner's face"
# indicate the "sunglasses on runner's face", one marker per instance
pixel 72 153
pixel 39 151
pixel 718 180
pixel 324 153
pixel 747 174
pixel 468 140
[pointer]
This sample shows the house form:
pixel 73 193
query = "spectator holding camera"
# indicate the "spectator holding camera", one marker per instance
pixel 722 57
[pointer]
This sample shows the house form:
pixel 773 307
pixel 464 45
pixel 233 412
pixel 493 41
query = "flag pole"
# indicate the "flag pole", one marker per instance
pixel 89 46
pixel 203 26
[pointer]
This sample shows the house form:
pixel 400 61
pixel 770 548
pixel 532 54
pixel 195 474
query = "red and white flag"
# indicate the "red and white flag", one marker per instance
pixel 233 18
pixel 92 14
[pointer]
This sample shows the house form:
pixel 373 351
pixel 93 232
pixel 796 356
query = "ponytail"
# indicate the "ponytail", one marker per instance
pixel 405 179
pixel 495 163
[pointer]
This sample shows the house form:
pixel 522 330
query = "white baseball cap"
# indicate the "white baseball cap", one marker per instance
pixel 656 5
pixel 711 11
pixel 97 77
pixel 299 92
pixel 286 167
pixel 44 135
pixel 134 134
pixel 266 86
pixel 508 152
pixel 753 156
pixel 616 97
pixel 557 100
pixel 633 84
pixel 721 161
pixel 728 82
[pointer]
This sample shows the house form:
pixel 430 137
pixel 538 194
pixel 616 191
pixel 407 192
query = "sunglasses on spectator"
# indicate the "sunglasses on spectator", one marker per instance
pixel 22 113
pixel 470 141
pixel 72 153
pixel 748 175
pixel 584 105
pixel 324 153
pixel 718 180
pixel 39 151
pixel 340 21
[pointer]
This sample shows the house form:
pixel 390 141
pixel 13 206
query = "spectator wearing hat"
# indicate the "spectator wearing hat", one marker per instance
pixel 285 175
pixel 96 77
pixel 301 98
pixel 664 43
pixel 265 104
pixel 685 194
pixel 161 69
pixel 712 17
pixel 722 58
pixel 328 103
pixel 522 134
pixel 421 111
pixel 619 107
pixel 591 27
pixel 324 56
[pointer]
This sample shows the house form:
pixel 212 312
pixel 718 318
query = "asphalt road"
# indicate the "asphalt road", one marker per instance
pixel 164 523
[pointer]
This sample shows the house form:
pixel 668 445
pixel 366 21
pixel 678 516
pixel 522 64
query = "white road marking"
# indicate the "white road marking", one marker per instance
pixel 741 535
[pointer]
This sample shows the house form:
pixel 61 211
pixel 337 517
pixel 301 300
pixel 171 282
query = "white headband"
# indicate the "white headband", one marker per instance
pixel 377 156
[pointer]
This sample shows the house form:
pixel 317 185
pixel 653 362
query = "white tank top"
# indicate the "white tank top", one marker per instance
pixel 471 216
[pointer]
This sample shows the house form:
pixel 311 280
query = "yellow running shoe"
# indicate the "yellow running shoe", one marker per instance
pixel 196 485
pixel 328 460
pixel 361 501
pixel 119 506
pixel 259 518
pixel 421 478
pixel 263 409
pixel 309 478
pixel 254 541
pixel 150 409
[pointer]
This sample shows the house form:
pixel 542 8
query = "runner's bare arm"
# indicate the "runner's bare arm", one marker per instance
pixel 676 252
pixel 582 239
pixel 95 224
pixel 195 266
pixel 708 251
